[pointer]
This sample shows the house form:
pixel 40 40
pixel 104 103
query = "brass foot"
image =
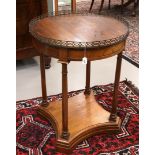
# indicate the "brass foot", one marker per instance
pixel 44 103
pixel 87 92
pixel 65 135
pixel 113 117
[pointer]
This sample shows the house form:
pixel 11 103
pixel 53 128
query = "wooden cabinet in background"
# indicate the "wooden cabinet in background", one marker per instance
pixel 25 11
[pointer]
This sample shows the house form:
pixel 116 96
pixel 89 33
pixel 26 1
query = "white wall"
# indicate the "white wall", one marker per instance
pixel 50 5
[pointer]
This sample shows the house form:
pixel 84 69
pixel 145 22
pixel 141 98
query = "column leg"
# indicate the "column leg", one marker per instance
pixel 122 7
pixel 56 7
pixel 91 5
pixel 135 5
pixel 101 6
pixel 65 133
pixel 87 88
pixel 116 85
pixel 73 6
pixel 109 5
pixel 43 80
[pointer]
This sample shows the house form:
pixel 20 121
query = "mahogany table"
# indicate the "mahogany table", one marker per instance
pixel 70 37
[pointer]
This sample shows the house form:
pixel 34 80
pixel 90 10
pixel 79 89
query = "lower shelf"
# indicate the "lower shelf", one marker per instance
pixel 85 118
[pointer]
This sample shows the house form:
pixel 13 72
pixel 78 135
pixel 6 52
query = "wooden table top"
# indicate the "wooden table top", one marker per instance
pixel 78 31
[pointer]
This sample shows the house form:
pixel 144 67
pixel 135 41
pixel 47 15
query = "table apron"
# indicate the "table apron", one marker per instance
pixel 64 54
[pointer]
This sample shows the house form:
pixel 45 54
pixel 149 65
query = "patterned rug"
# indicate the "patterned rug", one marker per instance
pixel 35 135
pixel 131 52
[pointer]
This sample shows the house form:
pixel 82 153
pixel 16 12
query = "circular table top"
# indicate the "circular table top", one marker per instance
pixel 78 31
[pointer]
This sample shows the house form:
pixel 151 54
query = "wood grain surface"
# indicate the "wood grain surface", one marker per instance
pixel 75 28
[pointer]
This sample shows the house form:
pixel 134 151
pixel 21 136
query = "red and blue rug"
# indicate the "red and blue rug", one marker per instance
pixel 35 135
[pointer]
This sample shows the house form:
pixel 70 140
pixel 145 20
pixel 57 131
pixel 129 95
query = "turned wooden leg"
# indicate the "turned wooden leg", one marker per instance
pixel 43 80
pixel 73 6
pixel 47 62
pixel 65 133
pixel 109 4
pixel 135 5
pixel 116 85
pixel 87 88
pixel 56 7
pixel 101 6
pixel 122 7
pixel 91 5
pixel 134 8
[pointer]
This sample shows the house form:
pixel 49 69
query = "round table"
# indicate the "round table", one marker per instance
pixel 70 37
